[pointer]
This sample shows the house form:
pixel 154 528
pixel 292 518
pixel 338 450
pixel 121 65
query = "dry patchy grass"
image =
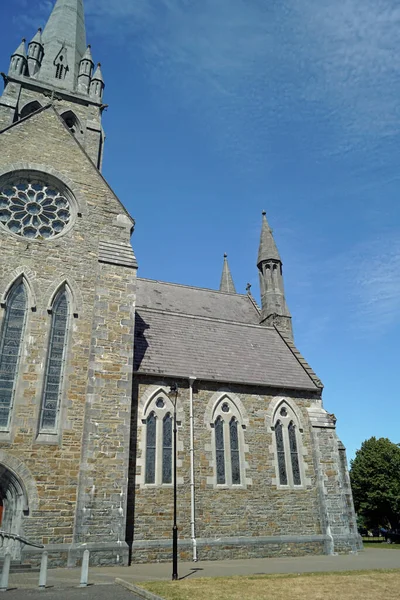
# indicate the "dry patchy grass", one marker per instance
pixel 357 585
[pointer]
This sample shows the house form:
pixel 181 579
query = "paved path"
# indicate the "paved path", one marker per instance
pixel 69 578
pixel 104 592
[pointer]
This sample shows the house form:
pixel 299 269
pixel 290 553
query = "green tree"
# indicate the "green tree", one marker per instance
pixel 375 481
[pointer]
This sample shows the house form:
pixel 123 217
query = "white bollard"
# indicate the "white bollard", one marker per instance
pixel 85 569
pixel 6 572
pixel 43 571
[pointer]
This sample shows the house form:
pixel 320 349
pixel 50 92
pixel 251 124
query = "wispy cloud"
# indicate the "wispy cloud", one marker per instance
pixel 251 67
pixel 375 285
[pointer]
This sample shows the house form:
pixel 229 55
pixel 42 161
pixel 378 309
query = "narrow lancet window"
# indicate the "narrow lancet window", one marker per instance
pixel 294 454
pixel 10 350
pixel 55 363
pixel 235 457
pixel 167 450
pixel 151 448
pixel 219 449
pixel 280 449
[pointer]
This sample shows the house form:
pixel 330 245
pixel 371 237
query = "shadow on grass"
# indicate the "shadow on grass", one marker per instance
pixel 193 571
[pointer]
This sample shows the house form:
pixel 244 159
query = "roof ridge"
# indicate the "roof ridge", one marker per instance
pixel 162 311
pixel 193 287
pixel 300 358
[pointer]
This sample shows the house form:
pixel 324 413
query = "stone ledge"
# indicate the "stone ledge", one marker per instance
pixel 233 541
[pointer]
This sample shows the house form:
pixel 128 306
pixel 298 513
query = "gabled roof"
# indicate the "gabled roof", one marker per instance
pixel 181 331
pixel 50 107
pixel 201 302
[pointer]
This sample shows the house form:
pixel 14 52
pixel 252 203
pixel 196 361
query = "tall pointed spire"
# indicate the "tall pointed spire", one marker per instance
pixel 267 249
pixel 274 310
pixel 64 41
pixel 227 284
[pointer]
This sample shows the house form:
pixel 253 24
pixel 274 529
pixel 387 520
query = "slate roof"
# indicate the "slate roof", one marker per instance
pixel 182 331
pixel 201 302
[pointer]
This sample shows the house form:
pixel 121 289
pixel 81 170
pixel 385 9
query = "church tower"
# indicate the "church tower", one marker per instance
pixel 58 68
pixel 67 305
pixel 274 310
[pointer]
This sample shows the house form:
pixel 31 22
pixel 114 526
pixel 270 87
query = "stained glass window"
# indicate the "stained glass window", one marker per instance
pixel 293 454
pixel 10 349
pixel 55 363
pixel 151 448
pixel 167 450
pixel 235 458
pixel 33 209
pixel 280 448
pixel 219 448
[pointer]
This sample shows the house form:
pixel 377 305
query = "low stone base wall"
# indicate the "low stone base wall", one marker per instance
pixel 144 551
pixel 346 544
pixel 62 555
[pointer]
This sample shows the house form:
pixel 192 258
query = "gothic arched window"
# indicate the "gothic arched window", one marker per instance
pixel 151 435
pixel 287 443
pixel 11 338
pixel 55 363
pixel 228 443
pixel 158 441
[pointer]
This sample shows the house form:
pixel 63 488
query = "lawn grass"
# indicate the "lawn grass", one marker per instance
pixel 379 544
pixel 350 585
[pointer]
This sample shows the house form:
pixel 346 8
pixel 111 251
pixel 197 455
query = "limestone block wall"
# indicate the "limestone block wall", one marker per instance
pixel 256 518
pixel 336 502
pixel 101 512
pixel 88 131
pixel 97 380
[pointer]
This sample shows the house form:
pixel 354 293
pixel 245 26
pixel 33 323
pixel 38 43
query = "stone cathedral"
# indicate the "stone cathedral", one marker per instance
pixel 89 354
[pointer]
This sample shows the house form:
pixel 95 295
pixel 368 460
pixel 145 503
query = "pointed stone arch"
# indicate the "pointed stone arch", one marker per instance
pixel 29 108
pixel 226 409
pixel 146 405
pixel 19 274
pixel 73 124
pixel 19 496
pixel 73 291
pixel 275 406
pixel 217 399
pixel 284 419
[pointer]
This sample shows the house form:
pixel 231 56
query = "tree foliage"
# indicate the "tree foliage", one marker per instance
pixel 375 481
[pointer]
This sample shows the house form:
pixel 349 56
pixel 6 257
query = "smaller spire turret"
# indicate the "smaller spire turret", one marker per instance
pixel 18 64
pixel 274 310
pixel 97 84
pixel 35 53
pixel 85 71
pixel 227 284
pixel 267 249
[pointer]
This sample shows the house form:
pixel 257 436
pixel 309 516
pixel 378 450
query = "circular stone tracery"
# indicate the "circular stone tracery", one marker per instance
pixel 34 209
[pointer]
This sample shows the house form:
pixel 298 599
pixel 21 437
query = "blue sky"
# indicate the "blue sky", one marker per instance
pixel 222 108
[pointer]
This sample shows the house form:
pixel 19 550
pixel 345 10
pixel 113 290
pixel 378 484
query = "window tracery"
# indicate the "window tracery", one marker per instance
pixel 287 444
pixel 55 363
pixel 33 208
pixel 228 443
pixel 11 339
pixel 158 441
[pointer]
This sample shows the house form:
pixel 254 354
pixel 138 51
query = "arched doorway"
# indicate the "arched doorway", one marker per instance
pixel 13 505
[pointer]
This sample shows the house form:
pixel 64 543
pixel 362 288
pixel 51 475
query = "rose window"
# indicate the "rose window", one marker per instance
pixel 34 209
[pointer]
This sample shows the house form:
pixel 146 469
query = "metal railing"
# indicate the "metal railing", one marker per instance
pixel 17 538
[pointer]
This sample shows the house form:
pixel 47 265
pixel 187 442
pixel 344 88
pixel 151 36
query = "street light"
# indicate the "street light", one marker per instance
pixel 173 393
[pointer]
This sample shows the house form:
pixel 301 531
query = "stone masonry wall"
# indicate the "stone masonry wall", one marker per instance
pixel 338 515
pixel 43 143
pixel 282 519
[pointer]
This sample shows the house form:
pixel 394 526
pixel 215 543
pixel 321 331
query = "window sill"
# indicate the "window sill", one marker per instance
pixel 46 437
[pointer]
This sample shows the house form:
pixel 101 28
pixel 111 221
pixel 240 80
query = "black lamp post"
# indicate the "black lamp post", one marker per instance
pixel 174 393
